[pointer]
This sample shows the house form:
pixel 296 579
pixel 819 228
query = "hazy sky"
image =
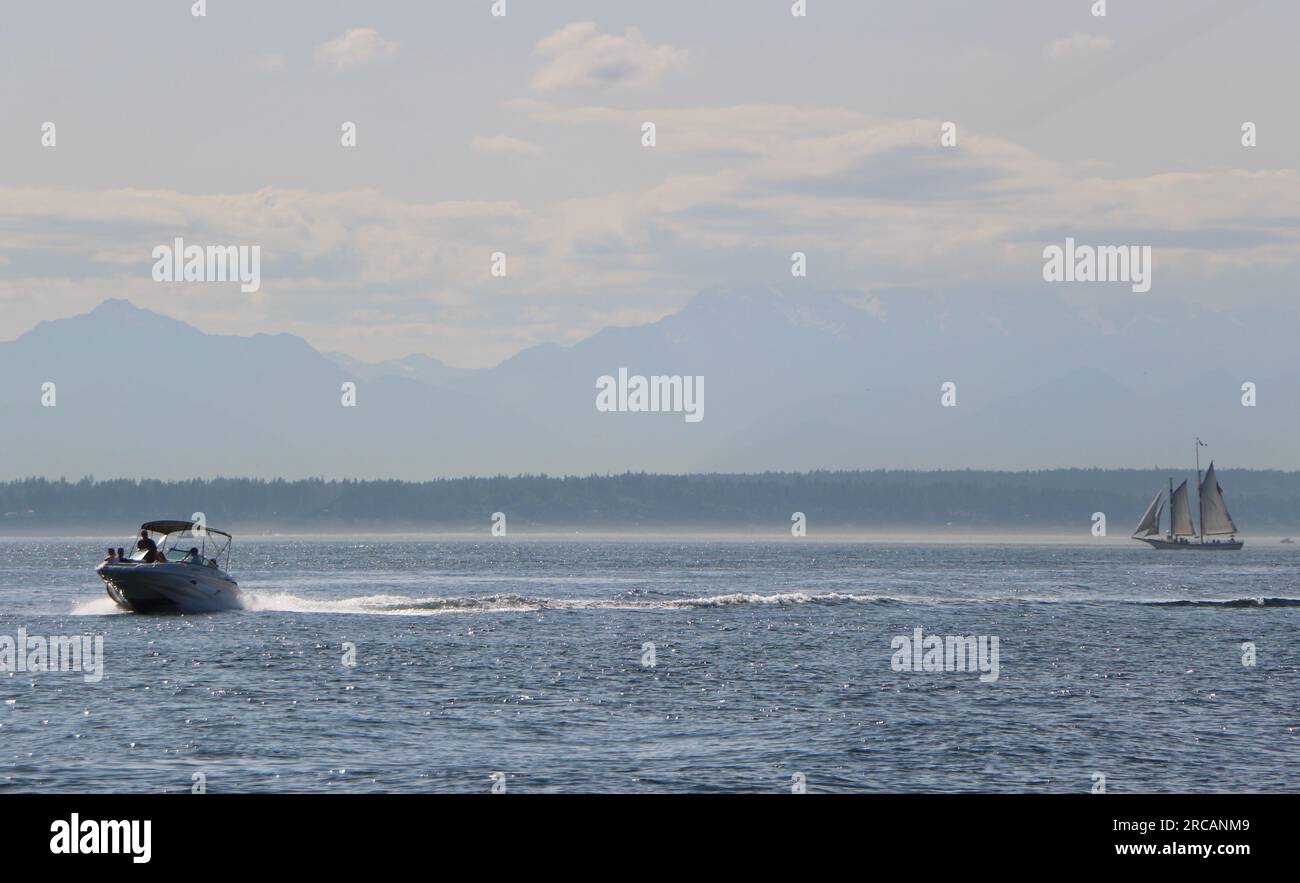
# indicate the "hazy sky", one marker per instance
pixel 522 134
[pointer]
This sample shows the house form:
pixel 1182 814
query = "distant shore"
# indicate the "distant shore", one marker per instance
pixel 851 504
pixel 116 536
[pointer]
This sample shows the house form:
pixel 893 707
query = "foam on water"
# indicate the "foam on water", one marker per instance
pixel 263 601
pixel 101 606
pixel 400 605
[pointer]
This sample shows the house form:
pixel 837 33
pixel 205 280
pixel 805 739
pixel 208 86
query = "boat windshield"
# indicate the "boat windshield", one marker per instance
pixel 194 545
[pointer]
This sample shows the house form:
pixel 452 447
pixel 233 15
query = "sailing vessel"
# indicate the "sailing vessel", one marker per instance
pixel 1182 533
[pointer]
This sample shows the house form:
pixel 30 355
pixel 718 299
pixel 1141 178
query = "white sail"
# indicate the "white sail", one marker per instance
pixel 1215 519
pixel 1180 513
pixel 1150 523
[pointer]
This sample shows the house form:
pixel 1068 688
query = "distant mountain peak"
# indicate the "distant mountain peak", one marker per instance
pixel 836 314
pixel 116 306
pixel 417 366
pixel 725 297
pixel 114 313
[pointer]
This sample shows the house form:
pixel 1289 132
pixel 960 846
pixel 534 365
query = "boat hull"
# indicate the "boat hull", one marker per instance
pixel 1221 546
pixel 169 587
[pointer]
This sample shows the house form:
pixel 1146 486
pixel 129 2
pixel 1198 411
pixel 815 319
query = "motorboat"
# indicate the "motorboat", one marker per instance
pixel 186 573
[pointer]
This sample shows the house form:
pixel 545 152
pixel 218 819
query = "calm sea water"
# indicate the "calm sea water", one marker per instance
pixel 772 661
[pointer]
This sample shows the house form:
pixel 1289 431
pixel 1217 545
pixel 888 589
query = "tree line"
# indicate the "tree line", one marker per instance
pixel 1064 499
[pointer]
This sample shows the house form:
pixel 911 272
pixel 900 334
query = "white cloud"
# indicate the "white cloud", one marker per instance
pixel 1077 46
pixel 881 202
pixel 503 145
pixel 583 57
pixel 356 46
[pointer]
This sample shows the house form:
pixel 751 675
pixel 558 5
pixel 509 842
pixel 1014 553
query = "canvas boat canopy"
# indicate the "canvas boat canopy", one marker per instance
pixel 168 527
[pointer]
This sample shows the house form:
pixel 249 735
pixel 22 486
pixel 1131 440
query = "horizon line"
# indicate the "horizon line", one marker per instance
pixel 63 479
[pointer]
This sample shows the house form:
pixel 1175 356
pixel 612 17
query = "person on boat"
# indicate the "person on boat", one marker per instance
pixel 149 547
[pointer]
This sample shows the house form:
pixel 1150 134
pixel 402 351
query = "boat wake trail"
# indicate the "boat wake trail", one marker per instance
pixel 270 601
pixel 401 605
pixel 398 605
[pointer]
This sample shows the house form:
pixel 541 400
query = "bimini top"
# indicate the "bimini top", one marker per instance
pixel 167 527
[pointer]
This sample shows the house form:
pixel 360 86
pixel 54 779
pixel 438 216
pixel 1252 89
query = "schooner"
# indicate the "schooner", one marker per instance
pixel 1215 520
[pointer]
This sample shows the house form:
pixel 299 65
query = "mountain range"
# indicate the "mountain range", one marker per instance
pixel 791 383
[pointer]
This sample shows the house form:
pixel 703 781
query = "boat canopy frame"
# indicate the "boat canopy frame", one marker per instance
pixel 166 527
pixel 169 528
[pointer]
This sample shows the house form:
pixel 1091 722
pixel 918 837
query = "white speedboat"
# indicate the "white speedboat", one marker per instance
pixel 190 577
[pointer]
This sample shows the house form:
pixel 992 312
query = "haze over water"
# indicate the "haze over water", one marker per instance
pixel 772 659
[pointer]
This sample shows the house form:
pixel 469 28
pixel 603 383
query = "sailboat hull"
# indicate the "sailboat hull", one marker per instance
pixel 1201 546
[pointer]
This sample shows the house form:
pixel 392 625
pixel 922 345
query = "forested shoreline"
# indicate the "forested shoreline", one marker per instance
pixel 1052 500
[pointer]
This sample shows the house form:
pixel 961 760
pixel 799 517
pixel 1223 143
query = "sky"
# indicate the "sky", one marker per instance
pixel 522 134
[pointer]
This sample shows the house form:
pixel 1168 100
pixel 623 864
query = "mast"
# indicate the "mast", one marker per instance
pixel 1200 504
pixel 1171 507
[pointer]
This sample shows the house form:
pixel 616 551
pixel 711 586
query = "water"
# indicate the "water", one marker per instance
pixel 772 659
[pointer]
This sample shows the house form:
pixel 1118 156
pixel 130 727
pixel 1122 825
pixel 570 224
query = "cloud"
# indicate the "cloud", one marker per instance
pixel 876 204
pixel 356 46
pixel 503 145
pixel 580 56
pixel 1077 46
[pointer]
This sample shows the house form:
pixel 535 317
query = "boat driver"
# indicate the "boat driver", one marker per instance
pixel 149 547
